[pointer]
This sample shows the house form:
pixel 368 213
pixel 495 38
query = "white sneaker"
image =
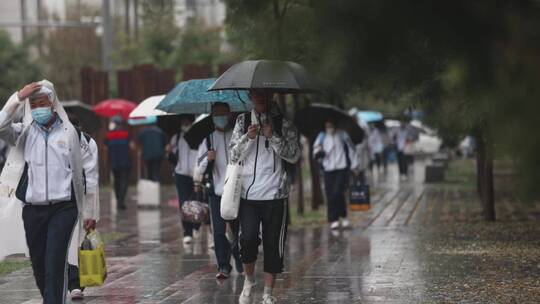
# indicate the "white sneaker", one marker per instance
pixel 188 240
pixel 268 299
pixel 245 296
pixel 345 224
pixel 76 294
pixel 334 225
pixel 197 233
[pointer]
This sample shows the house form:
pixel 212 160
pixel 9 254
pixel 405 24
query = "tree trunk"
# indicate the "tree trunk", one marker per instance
pixel 480 154
pixel 316 192
pixel 299 175
pixel 488 187
pixel 485 177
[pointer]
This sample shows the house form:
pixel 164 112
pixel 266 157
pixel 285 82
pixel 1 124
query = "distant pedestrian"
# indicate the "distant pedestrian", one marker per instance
pixel 267 144
pixel 363 156
pixel 153 142
pixel 118 144
pixel 48 157
pixel 405 146
pixel 183 159
pixel 376 145
pixel 336 152
pixel 213 158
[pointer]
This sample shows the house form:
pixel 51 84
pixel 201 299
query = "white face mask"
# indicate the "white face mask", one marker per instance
pixel 330 130
pixel 185 128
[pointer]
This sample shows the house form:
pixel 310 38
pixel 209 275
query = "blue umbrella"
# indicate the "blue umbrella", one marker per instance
pixel 192 97
pixel 370 116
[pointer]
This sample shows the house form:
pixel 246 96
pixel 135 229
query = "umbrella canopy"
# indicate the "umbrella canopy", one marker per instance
pixel 147 108
pixel 139 121
pixel 276 76
pixel 311 121
pixel 114 107
pixel 370 116
pixel 193 97
pixel 88 119
pixel 170 124
pixel 201 128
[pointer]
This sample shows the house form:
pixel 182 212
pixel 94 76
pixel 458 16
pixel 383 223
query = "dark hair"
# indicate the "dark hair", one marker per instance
pixel 221 104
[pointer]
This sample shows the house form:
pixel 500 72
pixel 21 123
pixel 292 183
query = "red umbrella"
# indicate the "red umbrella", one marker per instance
pixel 113 107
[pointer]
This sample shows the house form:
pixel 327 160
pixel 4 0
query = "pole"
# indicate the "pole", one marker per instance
pixel 23 19
pixel 107 38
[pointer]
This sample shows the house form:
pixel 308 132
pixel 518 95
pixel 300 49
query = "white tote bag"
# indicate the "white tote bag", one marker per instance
pixel 232 191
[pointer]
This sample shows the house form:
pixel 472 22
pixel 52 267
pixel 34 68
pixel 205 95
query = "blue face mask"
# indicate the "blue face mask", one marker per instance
pixel 220 121
pixel 42 115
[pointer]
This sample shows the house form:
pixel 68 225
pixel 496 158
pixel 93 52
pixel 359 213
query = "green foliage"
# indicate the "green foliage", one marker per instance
pixel 68 50
pixel 16 66
pixel 472 66
pixel 165 45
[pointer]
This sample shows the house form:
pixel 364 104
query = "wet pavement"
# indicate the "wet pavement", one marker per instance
pixel 418 244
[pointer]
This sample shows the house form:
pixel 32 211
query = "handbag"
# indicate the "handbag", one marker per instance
pixel 92 265
pixel 195 211
pixel 232 191
pixel 359 196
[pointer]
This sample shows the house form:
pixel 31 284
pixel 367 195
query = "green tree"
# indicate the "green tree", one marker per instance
pixel 472 66
pixel 17 67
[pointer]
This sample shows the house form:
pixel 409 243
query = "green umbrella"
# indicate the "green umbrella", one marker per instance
pixel 193 97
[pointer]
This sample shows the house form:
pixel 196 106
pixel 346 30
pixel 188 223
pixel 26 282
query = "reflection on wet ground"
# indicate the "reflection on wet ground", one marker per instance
pixel 417 244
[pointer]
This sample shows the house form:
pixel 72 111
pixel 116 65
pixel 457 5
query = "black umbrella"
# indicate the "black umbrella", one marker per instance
pixel 170 124
pixel 203 127
pixel 200 129
pixel 311 121
pixel 271 75
pixel 88 119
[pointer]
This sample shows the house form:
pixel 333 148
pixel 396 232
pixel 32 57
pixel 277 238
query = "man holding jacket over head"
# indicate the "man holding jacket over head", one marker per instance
pixel 45 171
pixel 268 145
pixel 212 161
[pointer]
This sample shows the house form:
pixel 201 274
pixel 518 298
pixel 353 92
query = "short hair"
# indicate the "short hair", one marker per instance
pixel 221 104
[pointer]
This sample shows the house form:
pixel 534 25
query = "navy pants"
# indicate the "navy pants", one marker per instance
pixel 184 187
pixel 223 247
pixel 48 233
pixel 335 184
pixel 153 169
pixel 273 217
pixel 121 183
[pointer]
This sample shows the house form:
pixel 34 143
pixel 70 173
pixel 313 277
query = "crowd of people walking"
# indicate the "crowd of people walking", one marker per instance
pixel 54 171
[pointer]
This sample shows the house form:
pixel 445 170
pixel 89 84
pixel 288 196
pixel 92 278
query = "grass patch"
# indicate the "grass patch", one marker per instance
pixel 461 173
pixel 9 266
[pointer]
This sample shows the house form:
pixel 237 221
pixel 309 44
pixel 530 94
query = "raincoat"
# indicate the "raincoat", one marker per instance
pixel 14 129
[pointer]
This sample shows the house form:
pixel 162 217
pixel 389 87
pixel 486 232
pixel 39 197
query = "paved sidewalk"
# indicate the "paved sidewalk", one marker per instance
pixel 418 244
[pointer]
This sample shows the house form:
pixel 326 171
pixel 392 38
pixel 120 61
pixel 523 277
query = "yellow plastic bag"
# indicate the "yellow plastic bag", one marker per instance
pixel 92 266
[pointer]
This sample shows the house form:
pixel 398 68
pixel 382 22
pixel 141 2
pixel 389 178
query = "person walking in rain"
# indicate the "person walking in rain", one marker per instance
pixel 118 145
pixel 183 160
pixel 267 144
pixel 376 143
pixel 405 145
pixel 44 170
pixel 91 194
pixel 336 152
pixel 213 158
pixel 153 142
